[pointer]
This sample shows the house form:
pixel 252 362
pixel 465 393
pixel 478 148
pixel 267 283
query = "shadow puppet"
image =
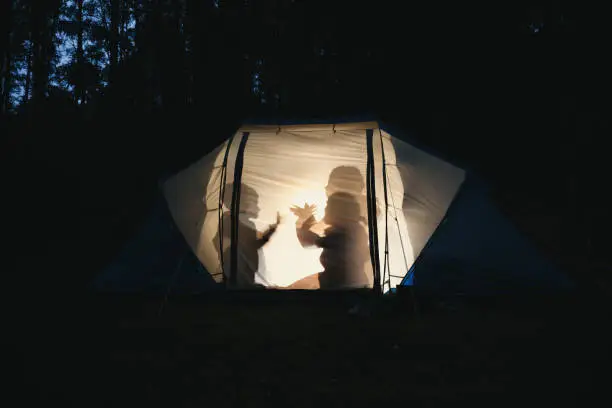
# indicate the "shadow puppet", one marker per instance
pixel 344 238
pixel 250 240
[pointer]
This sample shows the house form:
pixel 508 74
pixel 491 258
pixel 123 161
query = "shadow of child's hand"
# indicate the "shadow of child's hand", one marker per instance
pixel 272 228
pixel 279 219
pixel 303 213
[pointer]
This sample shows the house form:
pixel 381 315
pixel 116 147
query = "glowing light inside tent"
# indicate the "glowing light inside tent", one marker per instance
pixel 284 259
pixel 312 197
pixel 303 166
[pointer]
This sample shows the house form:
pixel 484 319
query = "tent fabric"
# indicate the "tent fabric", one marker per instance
pixel 477 250
pixel 302 219
pixel 321 165
pixel 193 201
pixel 156 260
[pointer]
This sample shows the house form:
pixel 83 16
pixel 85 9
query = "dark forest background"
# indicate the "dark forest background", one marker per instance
pixel 101 98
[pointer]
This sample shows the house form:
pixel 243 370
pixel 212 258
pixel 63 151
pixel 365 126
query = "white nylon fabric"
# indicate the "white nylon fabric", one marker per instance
pixel 420 188
pixel 293 168
pixel 324 166
pixel 429 185
pixel 193 200
pixel 393 237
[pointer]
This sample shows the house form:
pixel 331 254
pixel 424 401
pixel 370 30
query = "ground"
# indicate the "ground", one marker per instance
pixel 308 352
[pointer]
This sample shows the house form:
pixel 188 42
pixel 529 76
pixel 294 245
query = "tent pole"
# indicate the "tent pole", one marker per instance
pixel 386 264
pixel 235 210
pixel 221 229
pixel 371 201
pixel 386 180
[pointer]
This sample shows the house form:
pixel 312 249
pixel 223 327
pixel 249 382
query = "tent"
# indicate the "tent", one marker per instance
pixel 326 206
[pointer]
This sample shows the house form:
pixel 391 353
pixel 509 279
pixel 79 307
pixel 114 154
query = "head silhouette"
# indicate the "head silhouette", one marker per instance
pixel 342 209
pixel 249 199
pixel 345 179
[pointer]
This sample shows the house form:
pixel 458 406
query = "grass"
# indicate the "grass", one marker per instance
pixel 310 351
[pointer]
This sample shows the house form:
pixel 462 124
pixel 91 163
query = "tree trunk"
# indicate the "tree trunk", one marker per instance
pixel 193 45
pixel 42 18
pixel 5 102
pixel 6 9
pixel 26 94
pixel 141 7
pixel 114 38
pixel 123 29
pixel 80 86
pixel 171 59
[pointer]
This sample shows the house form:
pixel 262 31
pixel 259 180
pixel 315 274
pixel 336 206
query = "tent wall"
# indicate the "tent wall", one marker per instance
pixel 420 188
pixel 478 251
pixel 155 260
pixel 475 250
pixel 324 165
pixel 193 197
pixel 291 167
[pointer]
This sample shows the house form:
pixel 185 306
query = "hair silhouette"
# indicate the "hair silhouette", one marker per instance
pixel 347 179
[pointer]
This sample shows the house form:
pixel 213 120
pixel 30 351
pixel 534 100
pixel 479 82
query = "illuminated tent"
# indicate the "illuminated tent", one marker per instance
pixel 326 206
